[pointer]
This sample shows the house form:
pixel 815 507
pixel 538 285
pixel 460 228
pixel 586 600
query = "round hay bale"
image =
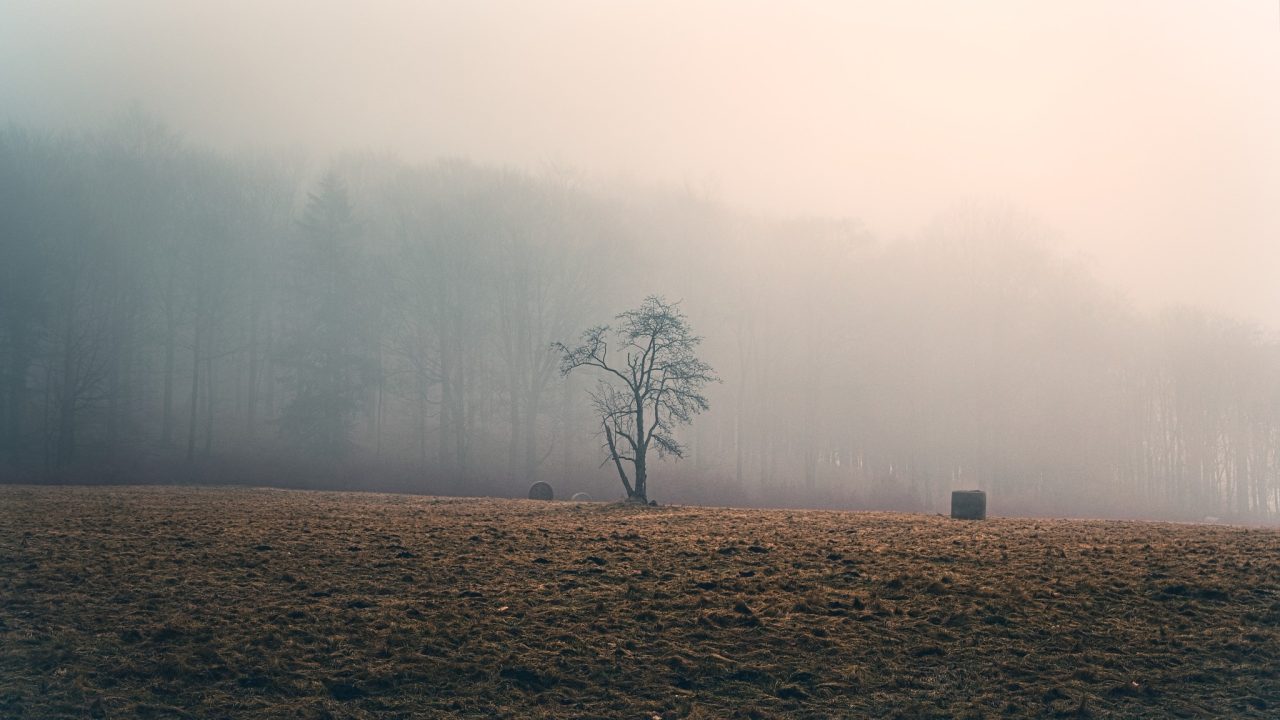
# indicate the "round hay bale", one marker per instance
pixel 541 491
pixel 969 505
pixel 581 497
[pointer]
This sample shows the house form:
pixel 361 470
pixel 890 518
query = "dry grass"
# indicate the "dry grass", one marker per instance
pixel 210 603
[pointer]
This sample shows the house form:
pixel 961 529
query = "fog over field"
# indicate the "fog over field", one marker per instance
pixel 1030 248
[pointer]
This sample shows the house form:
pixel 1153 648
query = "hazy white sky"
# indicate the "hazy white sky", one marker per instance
pixel 1146 132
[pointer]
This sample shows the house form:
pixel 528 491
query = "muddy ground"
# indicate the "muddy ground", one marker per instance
pixel 222 603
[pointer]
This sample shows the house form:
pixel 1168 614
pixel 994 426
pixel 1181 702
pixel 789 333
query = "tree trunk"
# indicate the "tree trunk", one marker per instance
pixel 422 421
pixel 642 447
pixel 517 427
pixel 67 392
pixel 208 406
pixel 444 418
pixel 378 408
pixel 18 362
pixel 531 459
pixel 170 339
pixel 613 453
pixel 195 391
pixel 251 398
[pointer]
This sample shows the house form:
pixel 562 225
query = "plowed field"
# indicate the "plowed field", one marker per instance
pixel 237 603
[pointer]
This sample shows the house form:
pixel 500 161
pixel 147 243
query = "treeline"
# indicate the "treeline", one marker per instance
pixel 170 313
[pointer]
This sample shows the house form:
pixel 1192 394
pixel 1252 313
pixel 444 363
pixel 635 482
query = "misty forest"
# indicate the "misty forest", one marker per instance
pixel 173 313
pixel 675 360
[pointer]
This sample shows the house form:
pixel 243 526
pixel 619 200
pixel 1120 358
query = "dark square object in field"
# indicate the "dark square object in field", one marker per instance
pixel 969 505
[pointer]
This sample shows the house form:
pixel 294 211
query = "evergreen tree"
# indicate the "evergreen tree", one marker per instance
pixel 326 354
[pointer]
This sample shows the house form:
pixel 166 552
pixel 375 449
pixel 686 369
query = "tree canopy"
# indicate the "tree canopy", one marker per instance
pixel 652 384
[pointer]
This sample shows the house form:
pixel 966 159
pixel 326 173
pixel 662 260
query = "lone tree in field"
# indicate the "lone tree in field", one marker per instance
pixel 650 384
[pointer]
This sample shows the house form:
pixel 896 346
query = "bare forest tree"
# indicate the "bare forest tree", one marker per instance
pixel 651 385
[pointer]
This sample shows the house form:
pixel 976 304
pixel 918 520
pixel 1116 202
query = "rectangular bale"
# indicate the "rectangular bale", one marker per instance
pixel 969 505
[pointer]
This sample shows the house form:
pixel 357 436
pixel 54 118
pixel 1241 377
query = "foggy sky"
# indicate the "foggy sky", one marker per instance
pixel 1146 133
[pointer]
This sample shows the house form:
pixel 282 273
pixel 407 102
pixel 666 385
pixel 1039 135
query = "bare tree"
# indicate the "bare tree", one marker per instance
pixel 653 384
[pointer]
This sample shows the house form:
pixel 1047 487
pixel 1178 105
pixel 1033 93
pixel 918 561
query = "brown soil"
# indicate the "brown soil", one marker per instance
pixel 210 603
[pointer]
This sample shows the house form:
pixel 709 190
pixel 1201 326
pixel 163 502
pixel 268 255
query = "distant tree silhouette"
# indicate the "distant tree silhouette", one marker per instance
pixel 652 384
pixel 326 352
